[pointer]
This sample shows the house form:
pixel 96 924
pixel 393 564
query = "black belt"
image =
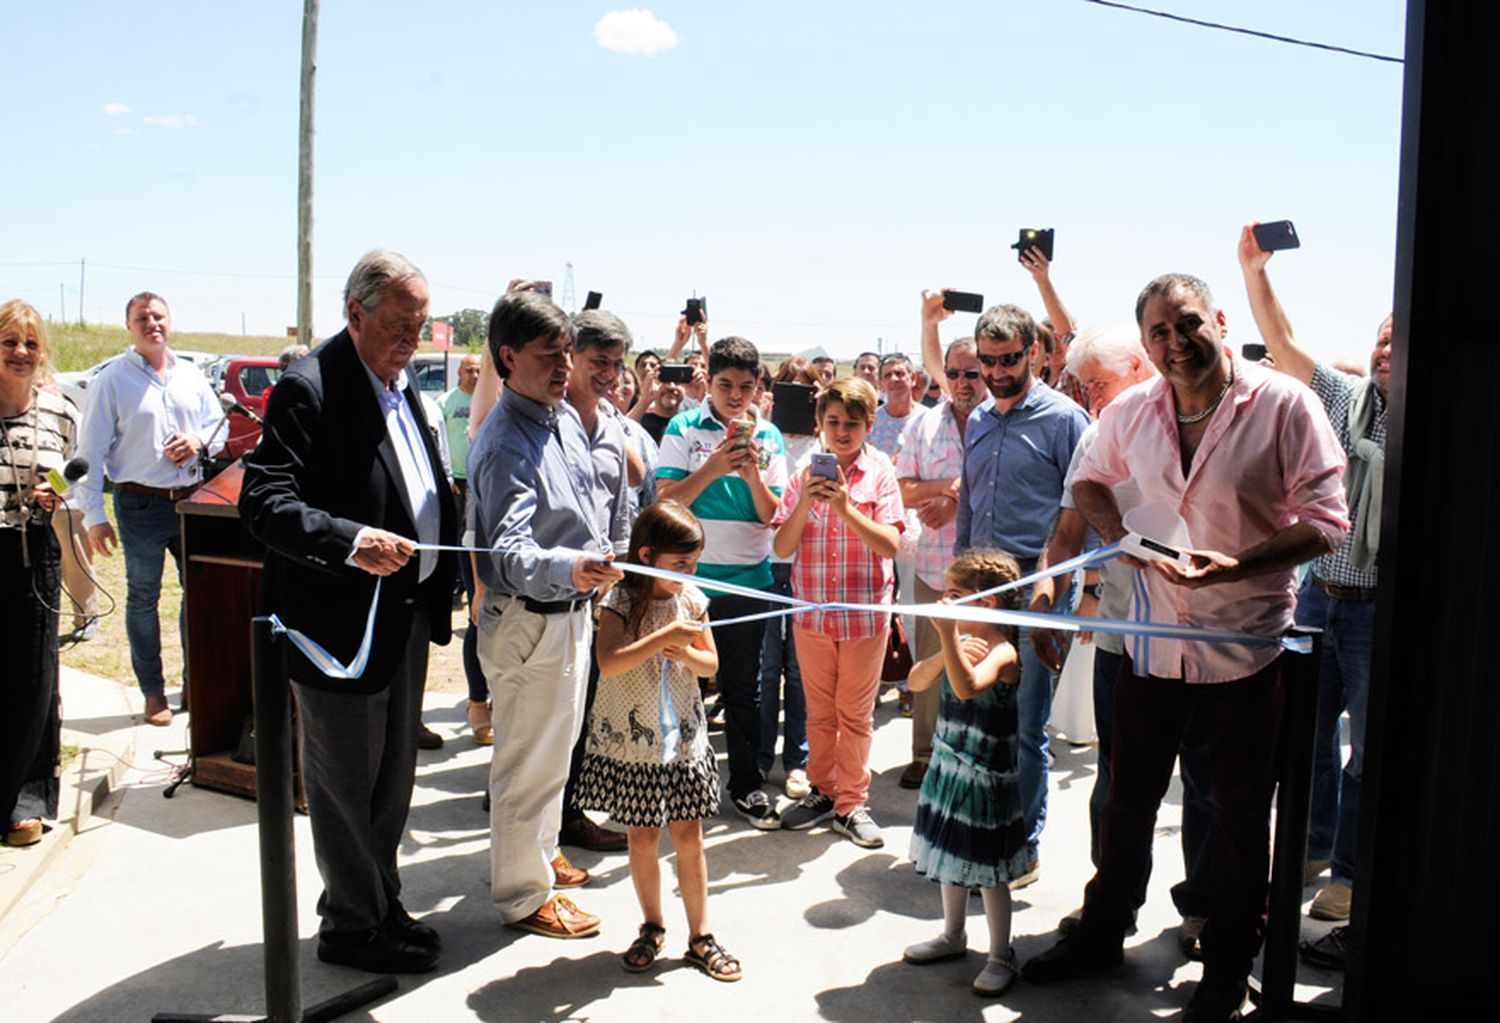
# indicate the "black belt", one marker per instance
pixel 553 607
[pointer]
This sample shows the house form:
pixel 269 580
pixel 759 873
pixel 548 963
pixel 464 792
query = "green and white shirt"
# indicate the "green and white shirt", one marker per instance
pixel 737 544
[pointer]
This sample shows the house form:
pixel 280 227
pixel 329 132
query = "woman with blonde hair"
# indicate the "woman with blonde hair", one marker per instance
pixel 38 430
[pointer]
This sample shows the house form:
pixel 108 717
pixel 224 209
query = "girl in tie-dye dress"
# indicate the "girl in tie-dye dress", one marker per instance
pixel 969 831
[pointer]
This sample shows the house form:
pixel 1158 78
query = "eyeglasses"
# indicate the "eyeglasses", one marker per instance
pixel 967 374
pixel 1009 359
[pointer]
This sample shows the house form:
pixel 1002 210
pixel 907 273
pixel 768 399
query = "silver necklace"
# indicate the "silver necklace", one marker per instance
pixel 1198 417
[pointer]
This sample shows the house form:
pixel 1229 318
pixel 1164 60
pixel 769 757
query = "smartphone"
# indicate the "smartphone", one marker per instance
pixel 1253 352
pixel 1275 236
pixel 542 287
pixel 963 301
pixel 675 373
pixel 824 464
pixel 594 300
pixel 740 432
pixel 696 310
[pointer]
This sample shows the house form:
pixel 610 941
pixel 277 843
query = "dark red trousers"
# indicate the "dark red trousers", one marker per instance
pixel 1242 719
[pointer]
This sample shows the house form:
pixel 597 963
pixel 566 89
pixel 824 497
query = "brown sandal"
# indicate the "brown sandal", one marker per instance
pixel 714 961
pixel 642 953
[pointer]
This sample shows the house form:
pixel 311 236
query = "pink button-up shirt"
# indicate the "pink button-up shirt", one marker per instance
pixel 832 563
pixel 1268 460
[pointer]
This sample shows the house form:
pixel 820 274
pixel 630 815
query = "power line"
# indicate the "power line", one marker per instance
pixel 1247 31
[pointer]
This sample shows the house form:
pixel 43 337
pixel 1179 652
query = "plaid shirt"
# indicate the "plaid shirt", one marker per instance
pixel 931 449
pixel 1336 391
pixel 828 543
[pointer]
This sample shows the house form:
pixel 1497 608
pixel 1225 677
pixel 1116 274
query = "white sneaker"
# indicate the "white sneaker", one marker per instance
pixel 935 950
pixel 796 783
pixel 997 976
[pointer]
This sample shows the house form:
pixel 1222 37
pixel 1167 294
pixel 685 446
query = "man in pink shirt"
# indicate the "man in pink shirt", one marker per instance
pixel 1251 464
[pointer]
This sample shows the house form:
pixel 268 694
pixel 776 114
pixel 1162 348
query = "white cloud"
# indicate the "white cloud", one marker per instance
pixel 634 31
pixel 91 145
pixel 116 109
pixel 172 121
pixel 124 131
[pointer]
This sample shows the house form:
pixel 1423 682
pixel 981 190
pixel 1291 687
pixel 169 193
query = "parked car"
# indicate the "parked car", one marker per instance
pixel 427 368
pixel 247 379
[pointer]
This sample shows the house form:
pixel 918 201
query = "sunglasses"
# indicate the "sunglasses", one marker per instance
pixel 967 374
pixel 1009 359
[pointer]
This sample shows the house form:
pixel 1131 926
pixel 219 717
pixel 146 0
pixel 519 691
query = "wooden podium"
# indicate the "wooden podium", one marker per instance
pixel 221 593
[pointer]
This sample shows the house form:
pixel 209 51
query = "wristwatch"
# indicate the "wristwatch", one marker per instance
pixel 1093 590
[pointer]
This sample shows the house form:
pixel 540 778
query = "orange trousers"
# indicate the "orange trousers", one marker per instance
pixel 840 679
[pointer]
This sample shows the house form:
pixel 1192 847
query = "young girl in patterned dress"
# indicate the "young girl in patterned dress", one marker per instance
pixel 969 831
pixel 647 761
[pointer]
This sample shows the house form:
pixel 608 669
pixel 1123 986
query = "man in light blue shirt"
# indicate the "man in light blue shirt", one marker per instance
pixel 1017 448
pixel 536 506
pixel 149 421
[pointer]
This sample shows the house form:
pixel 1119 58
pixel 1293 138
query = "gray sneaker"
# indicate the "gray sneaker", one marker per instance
pixel 811 809
pixel 859 828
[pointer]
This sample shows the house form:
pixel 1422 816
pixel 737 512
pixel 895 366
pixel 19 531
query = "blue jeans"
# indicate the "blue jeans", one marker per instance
pixel 778 657
pixel 1034 707
pixel 1343 684
pixel 149 530
pixel 1192 895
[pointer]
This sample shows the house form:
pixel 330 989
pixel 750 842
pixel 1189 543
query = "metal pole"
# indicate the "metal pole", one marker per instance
pixel 82 263
pixel 273 793
pixel 305 174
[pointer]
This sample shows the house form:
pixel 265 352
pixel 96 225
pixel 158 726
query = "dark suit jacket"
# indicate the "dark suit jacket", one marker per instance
pixel 325 467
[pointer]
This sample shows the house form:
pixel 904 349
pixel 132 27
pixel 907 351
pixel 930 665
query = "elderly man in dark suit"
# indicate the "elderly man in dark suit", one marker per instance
pixel 346 479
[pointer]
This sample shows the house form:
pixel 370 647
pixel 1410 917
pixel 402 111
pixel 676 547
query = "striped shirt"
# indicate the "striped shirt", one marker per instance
pixel 50 426
pixel 931 449
pixel 737 544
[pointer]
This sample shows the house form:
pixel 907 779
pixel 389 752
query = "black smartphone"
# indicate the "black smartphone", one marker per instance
pixel 1253 352
pixel 963 301
pixel 1277 235
pixel 594 300
pixel 542 287
pixel 695 311
pixel 675 373
pixel 1040 237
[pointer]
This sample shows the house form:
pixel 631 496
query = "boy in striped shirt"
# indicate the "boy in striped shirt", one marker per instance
pixel 729 467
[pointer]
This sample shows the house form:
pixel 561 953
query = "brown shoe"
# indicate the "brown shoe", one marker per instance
pixel 585 834
pixel 27 832
pixel 911 778
pixel 427 738
pixel 157 711
pixel 565 875
pixel 480 723
pixel 559 918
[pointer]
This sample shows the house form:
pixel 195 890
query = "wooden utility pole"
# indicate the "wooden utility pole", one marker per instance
pixel 305 174
pixel 82 264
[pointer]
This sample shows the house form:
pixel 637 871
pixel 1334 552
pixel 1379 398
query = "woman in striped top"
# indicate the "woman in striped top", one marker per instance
pixel 38 428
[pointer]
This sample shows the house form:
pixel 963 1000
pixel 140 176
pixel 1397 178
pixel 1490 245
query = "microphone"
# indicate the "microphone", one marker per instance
pixel 74 471
pixel 231 405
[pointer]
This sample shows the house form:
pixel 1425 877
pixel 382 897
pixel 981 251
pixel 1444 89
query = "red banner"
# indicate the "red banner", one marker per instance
pixel 442 336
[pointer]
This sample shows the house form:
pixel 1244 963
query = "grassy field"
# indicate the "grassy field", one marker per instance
pixel 76 348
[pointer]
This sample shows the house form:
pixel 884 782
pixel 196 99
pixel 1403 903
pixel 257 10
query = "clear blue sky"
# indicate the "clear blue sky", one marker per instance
pixel 808 166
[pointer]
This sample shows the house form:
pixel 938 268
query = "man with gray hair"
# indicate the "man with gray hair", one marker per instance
pixel 346 477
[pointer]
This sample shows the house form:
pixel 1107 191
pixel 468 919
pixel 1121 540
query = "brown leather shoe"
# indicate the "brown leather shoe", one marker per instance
pixel 559 918
pixel 565 875
pixel 427 738
pixel 157 711
pixel 585 834
pixel 911 778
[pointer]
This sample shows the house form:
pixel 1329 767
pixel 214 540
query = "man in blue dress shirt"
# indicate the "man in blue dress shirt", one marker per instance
pixel 536 505
pixel 1017 448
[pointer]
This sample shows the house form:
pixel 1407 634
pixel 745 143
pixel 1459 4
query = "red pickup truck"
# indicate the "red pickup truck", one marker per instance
pixel 247 378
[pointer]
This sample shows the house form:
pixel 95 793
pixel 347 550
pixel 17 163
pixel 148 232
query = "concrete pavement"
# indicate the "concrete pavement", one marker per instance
pixel 154 906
